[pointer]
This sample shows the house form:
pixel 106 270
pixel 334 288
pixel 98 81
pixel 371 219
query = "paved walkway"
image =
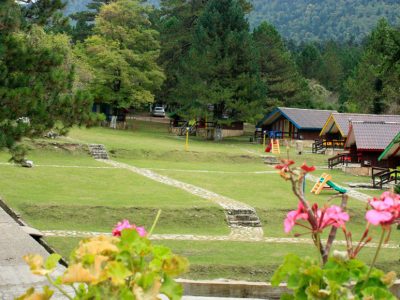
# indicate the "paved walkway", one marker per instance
pixel 15 276
pixel 191 237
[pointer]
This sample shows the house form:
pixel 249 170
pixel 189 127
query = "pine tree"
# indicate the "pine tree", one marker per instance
pixel 376 82
pixel 36 80
pixel 278 71
pixel 220 69
pixel 85 20
pixel 176 22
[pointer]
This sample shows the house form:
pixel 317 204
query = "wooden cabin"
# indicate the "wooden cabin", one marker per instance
pixel 294 123
pixel 367 140
pixel 337 125
pixel 391 154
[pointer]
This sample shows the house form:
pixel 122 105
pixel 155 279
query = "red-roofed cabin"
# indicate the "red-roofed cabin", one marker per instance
pixel 367 140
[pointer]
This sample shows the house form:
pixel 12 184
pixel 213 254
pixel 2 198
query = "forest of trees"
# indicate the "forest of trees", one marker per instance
pixel 310 20
pixel 324 20
pixel 201 58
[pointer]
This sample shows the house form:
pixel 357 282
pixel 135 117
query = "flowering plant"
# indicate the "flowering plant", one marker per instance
pixel 123 266
pixel 341 275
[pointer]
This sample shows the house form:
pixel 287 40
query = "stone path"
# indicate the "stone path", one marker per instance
pixel 213 171
pixel 190 237
pixel 228 204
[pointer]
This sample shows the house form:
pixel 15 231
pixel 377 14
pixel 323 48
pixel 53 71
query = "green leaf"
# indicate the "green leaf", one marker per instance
pixel 172 289
pixel 52 261
pixel 290 265
pixel 287 297
pixel 117 272
pixel 378 293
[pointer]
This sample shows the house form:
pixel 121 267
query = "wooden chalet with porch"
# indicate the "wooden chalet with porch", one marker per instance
pixel 293 123
pixel 367 140
pixel 336 128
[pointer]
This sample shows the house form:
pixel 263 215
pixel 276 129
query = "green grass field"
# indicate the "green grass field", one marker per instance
pixel 253 261
pixel 68 190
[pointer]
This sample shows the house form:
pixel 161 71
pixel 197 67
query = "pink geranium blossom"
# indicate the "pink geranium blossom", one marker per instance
pixel 386 210
pixel 293 216
pixel 329 216
pixel 124 224
pixel 333 215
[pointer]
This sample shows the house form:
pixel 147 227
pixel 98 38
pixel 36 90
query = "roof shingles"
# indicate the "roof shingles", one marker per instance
pixel 343 119
pixel 373 135
pixel 301 118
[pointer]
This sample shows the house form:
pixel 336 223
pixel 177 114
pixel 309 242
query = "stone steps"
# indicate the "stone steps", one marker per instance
pixel 98 151
pixel 242 218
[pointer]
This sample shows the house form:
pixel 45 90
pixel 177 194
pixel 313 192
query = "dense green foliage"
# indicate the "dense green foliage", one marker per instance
pixel 311 20
pixel 375 86
pixel 37 90
pixel 338 279
pixel 317 20
pixel 285 86
pixel 220 70
pixel 122 54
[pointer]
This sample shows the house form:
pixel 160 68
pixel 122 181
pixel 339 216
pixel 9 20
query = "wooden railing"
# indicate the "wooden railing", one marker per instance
pixel 343 159
pixel 380 176
pixel 321 145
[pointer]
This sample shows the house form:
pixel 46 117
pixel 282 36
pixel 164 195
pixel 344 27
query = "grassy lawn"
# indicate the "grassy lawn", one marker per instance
pixel 238 260
pixel 50 197
pixel 94 196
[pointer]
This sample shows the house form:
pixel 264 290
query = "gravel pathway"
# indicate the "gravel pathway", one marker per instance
pixel 190 237
pixel 226 203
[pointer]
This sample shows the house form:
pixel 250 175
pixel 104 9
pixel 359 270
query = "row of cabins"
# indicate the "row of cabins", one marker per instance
pixel 364 136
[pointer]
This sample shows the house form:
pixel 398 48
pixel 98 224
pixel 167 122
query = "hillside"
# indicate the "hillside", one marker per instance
pixel 311 20
pixel 308 20
pixel 80 5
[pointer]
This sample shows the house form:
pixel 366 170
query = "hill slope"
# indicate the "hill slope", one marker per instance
pixel 312 20
pixel 305 20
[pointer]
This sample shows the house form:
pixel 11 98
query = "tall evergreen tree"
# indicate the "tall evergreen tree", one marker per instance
pixel 278 71
pixel 176 22
pixel 123 54
pixel 376 81
pixel 36 80
pixel 310 61
pixel 220 68
pixel 85 19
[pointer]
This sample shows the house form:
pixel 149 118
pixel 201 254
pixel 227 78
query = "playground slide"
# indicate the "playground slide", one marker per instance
pixel 336 188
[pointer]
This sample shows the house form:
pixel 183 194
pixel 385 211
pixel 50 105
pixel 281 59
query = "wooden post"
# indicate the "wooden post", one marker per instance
pixel 187 139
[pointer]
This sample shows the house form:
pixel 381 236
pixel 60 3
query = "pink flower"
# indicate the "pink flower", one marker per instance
pixel 386 210
pixel 126 225
pixel 332 216
pixel 142 232
pixel 293 216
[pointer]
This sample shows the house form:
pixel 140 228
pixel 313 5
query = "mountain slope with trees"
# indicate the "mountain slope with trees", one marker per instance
pixel 310 20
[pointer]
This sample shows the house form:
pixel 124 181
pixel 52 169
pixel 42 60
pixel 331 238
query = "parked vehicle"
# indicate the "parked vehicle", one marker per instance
pixel 158 111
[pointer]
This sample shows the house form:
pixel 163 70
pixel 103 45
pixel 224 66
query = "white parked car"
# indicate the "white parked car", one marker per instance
pixel 158 111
